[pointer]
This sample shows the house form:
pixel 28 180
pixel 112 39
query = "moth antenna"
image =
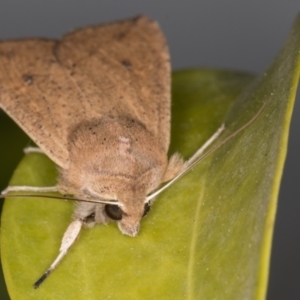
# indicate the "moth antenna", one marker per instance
pixel 111 202
pixel 68 240
pixel 194 160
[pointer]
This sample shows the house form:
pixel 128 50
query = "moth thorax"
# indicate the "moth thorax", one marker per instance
pixel 114 155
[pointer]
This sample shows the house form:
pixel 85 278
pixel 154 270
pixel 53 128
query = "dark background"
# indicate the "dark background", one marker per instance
pixel 240 35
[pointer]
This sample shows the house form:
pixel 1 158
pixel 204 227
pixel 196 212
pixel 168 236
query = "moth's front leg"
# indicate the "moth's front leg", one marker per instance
pixel 100 214
pixel 70 236
pixel 91 213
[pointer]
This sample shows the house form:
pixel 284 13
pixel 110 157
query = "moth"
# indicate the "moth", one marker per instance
pixel 97 103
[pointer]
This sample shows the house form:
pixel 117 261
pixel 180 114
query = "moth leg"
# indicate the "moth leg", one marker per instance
pixel 177 164
pixel 200 151
pixel 68 240
pixel 24 188
pixel 28 150
pixel 90 212
pixel 85 211
pixel 100 215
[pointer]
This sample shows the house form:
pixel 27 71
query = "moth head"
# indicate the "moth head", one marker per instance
pixel 130 210
pixel 127 217
pixel 127 206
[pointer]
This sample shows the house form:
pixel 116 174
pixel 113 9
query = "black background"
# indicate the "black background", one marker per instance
pixel 238 35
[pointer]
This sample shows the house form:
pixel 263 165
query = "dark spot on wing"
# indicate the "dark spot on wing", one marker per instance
pixel 28 79
pixel 127 64
pixel 121 35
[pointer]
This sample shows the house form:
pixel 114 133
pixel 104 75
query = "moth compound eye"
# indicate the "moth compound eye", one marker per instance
pixel 146 209
pixel 113 211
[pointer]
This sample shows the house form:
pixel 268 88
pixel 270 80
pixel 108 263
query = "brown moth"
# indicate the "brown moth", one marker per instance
pixel 97 103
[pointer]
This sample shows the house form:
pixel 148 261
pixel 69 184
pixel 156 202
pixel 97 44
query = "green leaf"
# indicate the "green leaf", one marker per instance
pixel 206 237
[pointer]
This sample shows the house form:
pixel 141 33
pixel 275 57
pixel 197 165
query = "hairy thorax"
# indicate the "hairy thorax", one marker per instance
pixel 113 158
